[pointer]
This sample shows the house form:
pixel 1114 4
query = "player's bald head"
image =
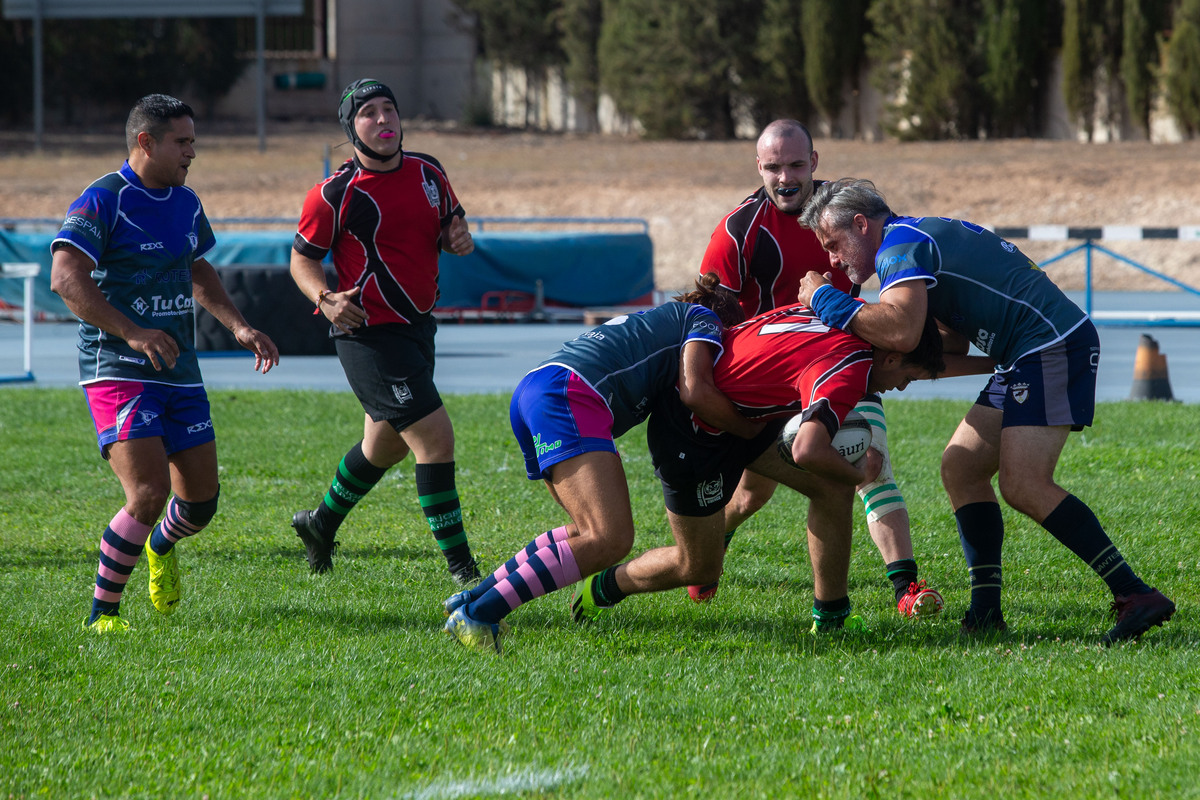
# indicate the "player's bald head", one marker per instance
pixel 782 129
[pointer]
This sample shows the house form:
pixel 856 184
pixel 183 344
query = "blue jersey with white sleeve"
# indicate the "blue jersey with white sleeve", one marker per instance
pixel 142 243
pixel 633 359
pixel 978 284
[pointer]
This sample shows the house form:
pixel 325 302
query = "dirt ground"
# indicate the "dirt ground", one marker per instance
pixel 682 189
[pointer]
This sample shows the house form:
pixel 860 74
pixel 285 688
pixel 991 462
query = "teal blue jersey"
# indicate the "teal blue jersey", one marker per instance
pixel 633 359
pixel 142 243
pixel 979 285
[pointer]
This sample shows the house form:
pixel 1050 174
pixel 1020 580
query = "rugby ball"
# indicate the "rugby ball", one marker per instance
pixel 851 440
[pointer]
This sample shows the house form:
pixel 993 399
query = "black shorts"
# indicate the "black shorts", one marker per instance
pixel 699 471
pixel 390 369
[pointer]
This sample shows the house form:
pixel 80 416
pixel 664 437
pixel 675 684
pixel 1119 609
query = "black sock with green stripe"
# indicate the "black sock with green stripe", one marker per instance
pixel 439 501
pixel 901 573
pixel 604 588
pixel 355 477
pixel 830 614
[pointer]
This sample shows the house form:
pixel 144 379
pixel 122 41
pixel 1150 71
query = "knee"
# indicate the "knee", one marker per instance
pixel 747 502
pixel 1021 495
pixel 953 469
pixel 198 515
pixel 609 547
pixel 146 501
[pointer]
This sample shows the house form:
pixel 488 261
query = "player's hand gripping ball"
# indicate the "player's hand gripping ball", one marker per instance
pixel 851 440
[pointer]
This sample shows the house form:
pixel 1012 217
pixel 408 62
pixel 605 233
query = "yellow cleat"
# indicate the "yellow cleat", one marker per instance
pixel 107 623
pixel 164 579
pixel 476 635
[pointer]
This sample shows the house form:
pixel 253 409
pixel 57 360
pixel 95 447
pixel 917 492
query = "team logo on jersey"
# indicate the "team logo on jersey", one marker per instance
pixel 403 394
pixel 140 305
pixel 193 240
pixel 1020 392
pixel 431 193
pixel 710 492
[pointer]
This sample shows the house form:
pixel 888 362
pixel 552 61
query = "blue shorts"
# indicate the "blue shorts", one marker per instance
pixel 1055 386
pixel 555 415
pixel 123 410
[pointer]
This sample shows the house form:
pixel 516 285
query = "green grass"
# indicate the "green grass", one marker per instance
pixel 271 683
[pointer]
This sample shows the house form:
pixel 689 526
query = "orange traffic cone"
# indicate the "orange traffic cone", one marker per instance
pixel 1150 380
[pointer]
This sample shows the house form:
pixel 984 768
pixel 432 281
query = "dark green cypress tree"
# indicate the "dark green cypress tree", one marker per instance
pixel 1183 67
pixel 1015 42
pixel 833 52
pixel 1143 22
pixel 579 26
pixel 1080 63
pixel 923 56
pixel 670 64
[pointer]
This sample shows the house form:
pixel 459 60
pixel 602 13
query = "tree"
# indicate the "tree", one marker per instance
pixel 833 52
pixel 16 64
pixel 1183 67
pixel 670 63
pixel 1015 41
pixel 1143 19
pixel 579 25
pixel 922 51
pixel 195 59
pixel 775 82
pixel 519 33
pixel 1079 65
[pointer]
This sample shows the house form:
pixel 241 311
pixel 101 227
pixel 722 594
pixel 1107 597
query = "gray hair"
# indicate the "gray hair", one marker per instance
pixel 836 203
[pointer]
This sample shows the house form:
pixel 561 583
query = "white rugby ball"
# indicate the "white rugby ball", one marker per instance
pixel 851 440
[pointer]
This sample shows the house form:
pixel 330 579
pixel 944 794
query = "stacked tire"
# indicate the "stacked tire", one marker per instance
pixel 271 302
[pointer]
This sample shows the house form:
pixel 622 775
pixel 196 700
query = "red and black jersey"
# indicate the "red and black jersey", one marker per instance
pixel 787 361
pixel 385 230
pixel 761 254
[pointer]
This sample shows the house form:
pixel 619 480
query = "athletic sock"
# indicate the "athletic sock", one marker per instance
pixel 981 532
pixel 550 568
pixel 1074 524
pixel 604 588
pixel 830 614
pixel 181 519
pixel 439 501
pixel 355 477
pixel 729 537
pixel 511 566
pixel 120 546
pixel 902 573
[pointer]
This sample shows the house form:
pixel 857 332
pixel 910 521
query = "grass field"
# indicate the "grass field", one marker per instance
pixel 268 682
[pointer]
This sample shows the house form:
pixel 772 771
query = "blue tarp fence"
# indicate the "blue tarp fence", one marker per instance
pixel 578 269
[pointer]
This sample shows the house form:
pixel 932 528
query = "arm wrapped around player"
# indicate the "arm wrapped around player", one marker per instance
pixel 834 308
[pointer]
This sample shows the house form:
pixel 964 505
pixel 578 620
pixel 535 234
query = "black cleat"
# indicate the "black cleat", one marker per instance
pixel 466 575
pixel 318 549
pixel 991 622
pixel 1138 613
